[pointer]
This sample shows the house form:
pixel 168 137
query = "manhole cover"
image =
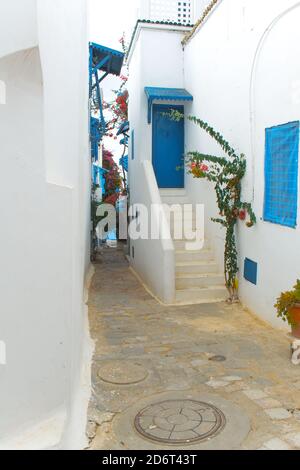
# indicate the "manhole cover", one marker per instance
pixel 180 421
pixel 122 373
pixel 217 358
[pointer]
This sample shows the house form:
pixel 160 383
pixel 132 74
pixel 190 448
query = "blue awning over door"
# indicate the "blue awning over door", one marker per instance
pixel 165 94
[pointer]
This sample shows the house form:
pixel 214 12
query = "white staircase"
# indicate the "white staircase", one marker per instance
pixel 198 278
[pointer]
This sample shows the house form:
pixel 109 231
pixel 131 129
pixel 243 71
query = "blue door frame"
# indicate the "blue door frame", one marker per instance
pixel 168 147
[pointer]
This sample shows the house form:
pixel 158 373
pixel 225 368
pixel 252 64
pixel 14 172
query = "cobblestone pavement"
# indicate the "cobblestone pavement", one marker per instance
pixel 150 359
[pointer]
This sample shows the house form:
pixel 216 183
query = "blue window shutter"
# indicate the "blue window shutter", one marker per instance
pixel 281 174
pixel 132 144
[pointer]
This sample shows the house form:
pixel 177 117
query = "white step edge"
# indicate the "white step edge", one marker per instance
pixel 172 191
pixel 197 294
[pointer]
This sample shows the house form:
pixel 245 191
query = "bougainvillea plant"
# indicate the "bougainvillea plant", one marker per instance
pixel 112 116
pixel 117 109
pixel 226 173
pixel 113 180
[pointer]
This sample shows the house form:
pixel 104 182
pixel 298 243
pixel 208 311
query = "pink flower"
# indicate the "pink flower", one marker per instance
pixel 242 214
pixel 204 168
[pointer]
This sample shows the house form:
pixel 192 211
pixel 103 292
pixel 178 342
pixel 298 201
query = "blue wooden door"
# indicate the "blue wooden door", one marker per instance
pixel 168 148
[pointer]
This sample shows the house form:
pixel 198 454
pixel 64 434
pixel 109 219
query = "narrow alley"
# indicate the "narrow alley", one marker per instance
pixel 195 377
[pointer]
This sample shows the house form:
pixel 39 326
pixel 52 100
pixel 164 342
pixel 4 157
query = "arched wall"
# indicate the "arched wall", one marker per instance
pixel 18 26
pixel 34 253
pixel 45 225
pixel 275 100
pixel 242 69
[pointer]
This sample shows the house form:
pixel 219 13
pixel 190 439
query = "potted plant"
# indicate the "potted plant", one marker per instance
pixel 288 308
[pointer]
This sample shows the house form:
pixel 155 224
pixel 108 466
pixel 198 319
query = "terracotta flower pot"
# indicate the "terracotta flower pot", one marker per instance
pixel 295 317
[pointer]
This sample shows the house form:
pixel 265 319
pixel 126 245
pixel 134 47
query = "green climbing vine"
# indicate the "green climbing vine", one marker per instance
pixel 226 173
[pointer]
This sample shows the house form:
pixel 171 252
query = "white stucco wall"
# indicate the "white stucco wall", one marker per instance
pixel 156 60
pixel 198 8
pixel 20 18
pixel 242 70
pixel 45 219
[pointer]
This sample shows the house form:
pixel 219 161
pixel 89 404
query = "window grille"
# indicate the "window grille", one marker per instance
pixel 170 10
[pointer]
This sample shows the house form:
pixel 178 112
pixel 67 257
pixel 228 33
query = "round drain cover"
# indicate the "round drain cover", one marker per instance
pixel 180 421
pixel 122 373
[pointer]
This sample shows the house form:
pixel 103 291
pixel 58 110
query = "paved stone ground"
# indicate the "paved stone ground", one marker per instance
pixel 167 352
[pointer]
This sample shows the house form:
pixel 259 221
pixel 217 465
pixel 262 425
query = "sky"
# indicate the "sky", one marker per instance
pixel 108 20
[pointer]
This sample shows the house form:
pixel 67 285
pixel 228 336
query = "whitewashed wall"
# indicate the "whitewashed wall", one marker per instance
pixel 198 7
pixel 44 204
pixel 243 71
pixel 156 60
pixel 23 16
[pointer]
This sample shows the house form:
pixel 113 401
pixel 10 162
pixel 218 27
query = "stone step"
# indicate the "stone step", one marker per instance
pixel 204 295
pixel 197 267
pixel 175 199
pixel 188 281
pixel 179 209
pixel 172 192
pixel 180 245
pixel 180 221
pixel 179 229
pixel 189 255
